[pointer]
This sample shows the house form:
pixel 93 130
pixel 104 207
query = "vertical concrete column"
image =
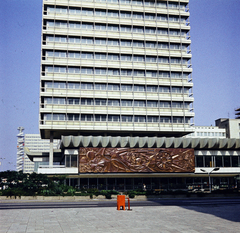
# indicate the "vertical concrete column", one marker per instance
pixel 51 150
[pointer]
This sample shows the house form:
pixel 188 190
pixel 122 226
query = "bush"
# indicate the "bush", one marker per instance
pixel 108 196
pixel 131 195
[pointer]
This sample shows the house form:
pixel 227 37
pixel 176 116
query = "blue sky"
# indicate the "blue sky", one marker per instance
pixel 215 33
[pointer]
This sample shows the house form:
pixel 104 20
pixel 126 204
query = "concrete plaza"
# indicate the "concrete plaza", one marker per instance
pixel 147 219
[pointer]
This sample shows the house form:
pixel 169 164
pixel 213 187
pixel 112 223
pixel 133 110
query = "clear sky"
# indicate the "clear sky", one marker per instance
pixel 215 33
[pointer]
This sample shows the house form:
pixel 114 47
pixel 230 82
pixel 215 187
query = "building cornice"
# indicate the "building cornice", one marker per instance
pixel 149 142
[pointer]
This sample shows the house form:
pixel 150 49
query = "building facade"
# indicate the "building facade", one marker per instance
pixel 116 87
pixel 116 67
pixel 207 132
pixel 232 126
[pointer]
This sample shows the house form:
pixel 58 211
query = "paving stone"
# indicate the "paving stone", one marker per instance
pixel 164 219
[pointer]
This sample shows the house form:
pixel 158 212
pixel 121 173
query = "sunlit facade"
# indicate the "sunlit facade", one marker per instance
pixel 116 67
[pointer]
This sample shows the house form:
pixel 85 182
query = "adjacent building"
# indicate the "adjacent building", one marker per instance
pixel 207 132
pixel 35 144
pixel 232 127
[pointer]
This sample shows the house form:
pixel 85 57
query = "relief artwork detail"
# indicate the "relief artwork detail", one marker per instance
pixel 103 160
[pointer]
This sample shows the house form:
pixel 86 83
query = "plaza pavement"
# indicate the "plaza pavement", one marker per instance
pixel 147 219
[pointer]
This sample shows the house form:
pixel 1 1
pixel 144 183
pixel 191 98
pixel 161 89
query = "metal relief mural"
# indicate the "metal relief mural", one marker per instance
pixel 101 160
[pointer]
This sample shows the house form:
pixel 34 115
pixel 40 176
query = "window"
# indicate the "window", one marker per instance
pixel 86 101
pixel 139 88
pixel 100 102
pixel 125 43
pixel 126 57
pixel 100 12
pixel 73 101
pixel 126 87
pixel 100 117
pixel 149 16
pixel 139 119
pixel 125 14
pixel 71 160
pixel 113 57
pixel 73 117
pixel 151 59
pixel 164 89
pixel 125 28
pixel 113 42
pixel 152 88
pixel 113 102
pixel 87 41
pixel 113 87
pixel 113 118
pixel 153 119
pixel 152 103
pixel 139 103
pixel 99 86
pixel 138 58
pixel 150 44
pixel 165 104
pixel 127 118
pixel 126 103
pixel 86 117
pixel 165 119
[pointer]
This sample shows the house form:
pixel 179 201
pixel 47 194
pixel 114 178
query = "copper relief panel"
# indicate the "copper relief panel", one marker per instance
pixel 102 160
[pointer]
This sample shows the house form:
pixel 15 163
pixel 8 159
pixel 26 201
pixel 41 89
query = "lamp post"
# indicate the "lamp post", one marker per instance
pixel 209 176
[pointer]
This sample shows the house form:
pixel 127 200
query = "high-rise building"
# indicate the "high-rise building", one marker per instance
pixel 116 67
pixel 20 150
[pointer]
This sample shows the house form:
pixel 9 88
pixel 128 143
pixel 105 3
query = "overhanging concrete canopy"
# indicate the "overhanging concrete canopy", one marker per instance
pixel 149 142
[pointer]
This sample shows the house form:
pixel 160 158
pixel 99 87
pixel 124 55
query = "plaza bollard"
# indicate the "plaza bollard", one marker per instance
pixel 120 202
pixel 128 203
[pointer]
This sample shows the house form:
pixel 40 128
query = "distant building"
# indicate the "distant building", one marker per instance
pixel 237 113
pixel 232 126
pixel 35 144
pixel 207 132
pixel 20 150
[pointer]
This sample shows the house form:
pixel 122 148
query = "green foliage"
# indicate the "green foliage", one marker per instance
pixel 108 196
pixel 18 184
pixel 131 195
pixel 71 191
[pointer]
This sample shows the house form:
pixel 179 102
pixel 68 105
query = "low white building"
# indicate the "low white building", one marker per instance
pixel 207 132
pixel 35 144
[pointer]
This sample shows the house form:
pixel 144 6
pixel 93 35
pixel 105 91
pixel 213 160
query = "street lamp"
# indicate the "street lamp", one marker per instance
pixel 209 173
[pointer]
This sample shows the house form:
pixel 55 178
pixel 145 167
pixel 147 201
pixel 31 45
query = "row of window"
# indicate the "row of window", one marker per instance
pixel 115 87
pixel 208 134
pixel 111 13
pixel 113 118
pixel 115 57
pixel 116 102
pixel 217 161
pixel 117 28
pixel 218 134
pixel 115 42
pixel 104 71
pixel 162 4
